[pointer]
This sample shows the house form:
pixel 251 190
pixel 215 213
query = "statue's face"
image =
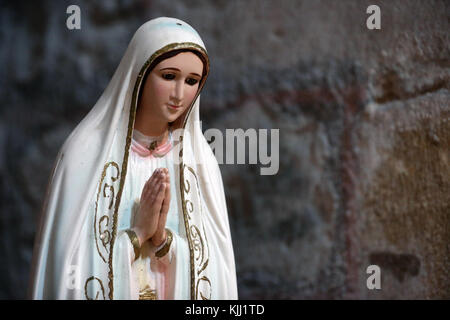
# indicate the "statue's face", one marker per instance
pixel 171 86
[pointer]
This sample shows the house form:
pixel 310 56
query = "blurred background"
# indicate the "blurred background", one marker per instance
pixel 364 120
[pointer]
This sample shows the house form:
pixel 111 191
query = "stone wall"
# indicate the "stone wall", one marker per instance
pixel 364 133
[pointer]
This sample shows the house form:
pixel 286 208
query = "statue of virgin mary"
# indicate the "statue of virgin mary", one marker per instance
pixel 87 245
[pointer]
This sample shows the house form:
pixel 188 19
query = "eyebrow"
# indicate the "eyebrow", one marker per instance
pixel 195 74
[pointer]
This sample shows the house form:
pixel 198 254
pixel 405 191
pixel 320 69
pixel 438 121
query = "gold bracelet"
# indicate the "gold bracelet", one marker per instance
pixel 135 242
pixel 163 251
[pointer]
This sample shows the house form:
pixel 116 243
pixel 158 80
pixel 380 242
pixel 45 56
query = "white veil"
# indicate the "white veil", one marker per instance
pixel 73 253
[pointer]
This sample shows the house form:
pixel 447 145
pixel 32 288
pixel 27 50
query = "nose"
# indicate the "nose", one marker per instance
pixel 178 92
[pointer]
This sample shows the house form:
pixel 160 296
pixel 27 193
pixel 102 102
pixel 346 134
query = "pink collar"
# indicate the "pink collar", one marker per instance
pixel 160 151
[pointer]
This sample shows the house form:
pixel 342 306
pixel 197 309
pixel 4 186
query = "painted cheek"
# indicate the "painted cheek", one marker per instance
pixel 162 90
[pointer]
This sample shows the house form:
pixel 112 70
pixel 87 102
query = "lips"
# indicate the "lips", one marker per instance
pixel 174 106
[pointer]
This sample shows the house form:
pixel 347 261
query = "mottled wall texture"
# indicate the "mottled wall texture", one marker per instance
pixel 364 120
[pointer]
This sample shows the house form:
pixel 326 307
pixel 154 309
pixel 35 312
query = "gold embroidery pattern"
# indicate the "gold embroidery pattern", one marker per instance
pixel 198 245
pixel 101 230
pixel 99 282
pixel 148 294
pixel 133 107
pixel 205 279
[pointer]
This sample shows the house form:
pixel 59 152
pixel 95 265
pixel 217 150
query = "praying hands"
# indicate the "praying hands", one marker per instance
pixel 150 220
